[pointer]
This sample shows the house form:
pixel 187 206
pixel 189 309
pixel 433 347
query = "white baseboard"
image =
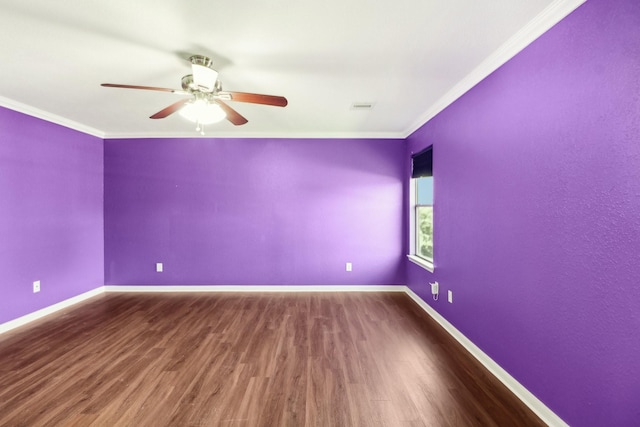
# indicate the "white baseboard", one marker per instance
pixel 528 398
pixel 21 321
pixel 539 408
pixel 258 288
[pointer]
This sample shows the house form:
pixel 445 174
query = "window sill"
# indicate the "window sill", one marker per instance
pixel 421 262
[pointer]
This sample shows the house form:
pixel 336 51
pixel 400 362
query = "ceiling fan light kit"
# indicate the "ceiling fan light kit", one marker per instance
pixel 203 112
pixel 206 105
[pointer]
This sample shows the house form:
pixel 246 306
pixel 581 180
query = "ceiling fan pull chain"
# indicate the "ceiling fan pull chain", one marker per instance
pixel 200 127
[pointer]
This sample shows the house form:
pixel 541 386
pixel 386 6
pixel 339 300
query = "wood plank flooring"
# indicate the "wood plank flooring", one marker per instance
pixel 240 359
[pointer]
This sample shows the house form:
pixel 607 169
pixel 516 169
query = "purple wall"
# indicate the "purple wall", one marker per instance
pixel 537 211
pixel 254 211
pixel 537 215
pixel 51 225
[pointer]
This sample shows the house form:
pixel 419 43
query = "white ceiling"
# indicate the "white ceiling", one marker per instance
pixel 409 57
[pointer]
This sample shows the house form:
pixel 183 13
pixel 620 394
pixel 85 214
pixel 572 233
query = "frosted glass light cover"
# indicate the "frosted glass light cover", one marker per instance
pixel 202 112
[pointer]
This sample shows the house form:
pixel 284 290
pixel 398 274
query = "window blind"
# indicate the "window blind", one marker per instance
pixel 422 163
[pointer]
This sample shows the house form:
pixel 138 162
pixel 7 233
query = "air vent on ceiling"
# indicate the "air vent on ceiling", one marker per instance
pixel 362 105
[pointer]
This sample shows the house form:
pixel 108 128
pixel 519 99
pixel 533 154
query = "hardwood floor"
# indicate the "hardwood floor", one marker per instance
pixel 238 359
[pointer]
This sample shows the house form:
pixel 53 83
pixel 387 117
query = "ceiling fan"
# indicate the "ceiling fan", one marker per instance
pixel 206 103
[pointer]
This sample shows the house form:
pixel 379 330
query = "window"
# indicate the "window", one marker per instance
pixel 421 209
pixel 424 218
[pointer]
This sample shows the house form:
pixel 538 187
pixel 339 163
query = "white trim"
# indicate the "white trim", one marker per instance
pixel 28 318
pixel 49 117
pixel 188 133
pixel 412 215
pixel 528 398
pixel 550 16
pixel 212 134
pixel 257 288
pixel 421 262
pixel 427 265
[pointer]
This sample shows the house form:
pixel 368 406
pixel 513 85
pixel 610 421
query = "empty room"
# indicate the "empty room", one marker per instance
pixel 296 213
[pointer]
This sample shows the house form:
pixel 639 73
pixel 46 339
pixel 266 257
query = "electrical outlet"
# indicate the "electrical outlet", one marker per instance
pixel 36 286
pixel 450 296
pixel 159 267
pixel 349 266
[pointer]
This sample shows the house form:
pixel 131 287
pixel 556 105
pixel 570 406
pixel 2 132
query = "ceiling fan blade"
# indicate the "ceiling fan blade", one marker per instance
pixel 169 110
pixel 255 98
pixel 160 89
pixel 232 115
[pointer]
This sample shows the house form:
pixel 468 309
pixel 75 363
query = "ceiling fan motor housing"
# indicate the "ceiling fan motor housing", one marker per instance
pixel 190 86
pixel 205 61
pixel 204 77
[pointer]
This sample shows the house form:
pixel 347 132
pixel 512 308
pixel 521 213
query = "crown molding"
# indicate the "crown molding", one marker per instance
pixel 62 121
pixel 550 16
pixel 270 135
pixel 49 117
